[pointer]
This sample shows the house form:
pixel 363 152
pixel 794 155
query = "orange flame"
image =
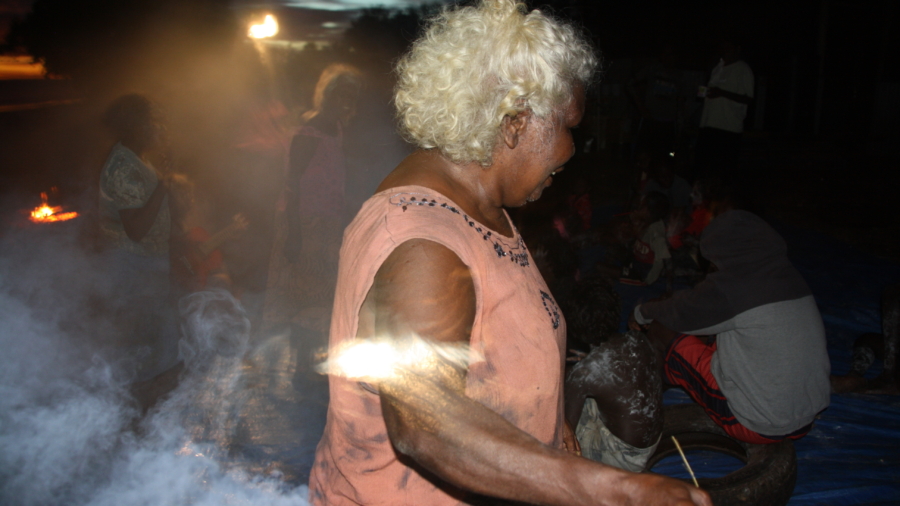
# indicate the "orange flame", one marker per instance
pixel 47 214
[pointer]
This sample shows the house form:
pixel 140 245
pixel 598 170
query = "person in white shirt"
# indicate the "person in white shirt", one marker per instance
pixel 727 96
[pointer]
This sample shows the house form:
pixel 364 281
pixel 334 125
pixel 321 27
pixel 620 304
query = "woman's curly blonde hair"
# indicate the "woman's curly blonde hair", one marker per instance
pixel 475 65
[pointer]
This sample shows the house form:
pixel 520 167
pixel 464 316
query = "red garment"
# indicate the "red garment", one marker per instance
pixel 687 365
pixel 700 218
pixel 643 253
pixel 213 262
pixel 582 206
pixel 517 343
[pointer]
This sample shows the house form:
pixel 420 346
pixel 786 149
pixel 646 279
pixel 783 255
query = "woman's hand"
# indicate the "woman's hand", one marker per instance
pixel 653 489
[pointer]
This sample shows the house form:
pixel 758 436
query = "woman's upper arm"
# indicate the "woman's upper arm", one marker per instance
pixel 424 288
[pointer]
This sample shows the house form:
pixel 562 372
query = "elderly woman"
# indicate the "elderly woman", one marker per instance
pixel 489 94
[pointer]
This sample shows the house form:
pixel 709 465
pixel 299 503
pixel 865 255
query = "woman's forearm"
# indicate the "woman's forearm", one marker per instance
pixel 475 449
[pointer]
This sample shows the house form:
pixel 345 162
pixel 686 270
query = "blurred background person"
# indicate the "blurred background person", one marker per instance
pixel 135 230
pixel 726 99
pixel 311 215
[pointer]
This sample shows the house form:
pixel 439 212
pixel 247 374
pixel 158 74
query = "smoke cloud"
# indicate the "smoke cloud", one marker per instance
pixel 71 432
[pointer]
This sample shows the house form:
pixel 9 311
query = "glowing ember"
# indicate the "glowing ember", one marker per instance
pixel 268 28
pixel 47 214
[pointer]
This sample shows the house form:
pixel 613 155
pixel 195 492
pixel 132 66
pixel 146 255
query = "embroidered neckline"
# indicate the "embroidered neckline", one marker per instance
pixel 517 253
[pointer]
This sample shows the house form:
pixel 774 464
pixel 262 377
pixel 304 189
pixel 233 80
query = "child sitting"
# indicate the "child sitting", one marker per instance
pixel 665 181
pixel 870 347
pixel 650 248
pixel 613 396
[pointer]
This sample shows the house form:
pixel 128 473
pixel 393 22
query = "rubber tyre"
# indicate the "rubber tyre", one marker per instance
pixel 767 478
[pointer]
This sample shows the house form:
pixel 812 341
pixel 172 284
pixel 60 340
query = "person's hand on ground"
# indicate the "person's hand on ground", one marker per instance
pixel 633 324
pixel 569 440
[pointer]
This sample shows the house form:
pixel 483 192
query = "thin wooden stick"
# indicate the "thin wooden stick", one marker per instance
pixel 688 466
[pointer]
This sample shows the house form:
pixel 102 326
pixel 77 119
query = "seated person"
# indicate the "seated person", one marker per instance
pixel 764 377
pixel 614 394
pixel 870 347
pixel 708 199
pixel 197 262
pixel 665 181
pixel 699 216
pixel 650 248
pixel 641 176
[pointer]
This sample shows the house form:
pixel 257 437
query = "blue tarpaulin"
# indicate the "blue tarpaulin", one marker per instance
pixel 852 454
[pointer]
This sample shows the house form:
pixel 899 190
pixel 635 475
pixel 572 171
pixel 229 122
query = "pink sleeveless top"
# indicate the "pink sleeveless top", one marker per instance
pixel 518 332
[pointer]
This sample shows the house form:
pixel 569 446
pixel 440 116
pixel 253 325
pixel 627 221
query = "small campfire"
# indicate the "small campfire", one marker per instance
pixel 49 214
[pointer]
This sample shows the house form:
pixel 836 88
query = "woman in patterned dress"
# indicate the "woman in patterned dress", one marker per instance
pixel 135 227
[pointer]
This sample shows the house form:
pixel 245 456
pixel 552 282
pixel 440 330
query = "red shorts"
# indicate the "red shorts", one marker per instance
pixel 688 366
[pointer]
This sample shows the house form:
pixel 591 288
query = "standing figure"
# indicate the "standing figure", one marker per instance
pixel 135 229
pixel 311 214
pixel 726 99
pixel 433 265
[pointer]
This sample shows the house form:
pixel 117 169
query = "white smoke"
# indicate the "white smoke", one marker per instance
pixel 70 432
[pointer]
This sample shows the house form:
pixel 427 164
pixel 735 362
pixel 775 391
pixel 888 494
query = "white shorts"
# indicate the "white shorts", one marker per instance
pixel 601 445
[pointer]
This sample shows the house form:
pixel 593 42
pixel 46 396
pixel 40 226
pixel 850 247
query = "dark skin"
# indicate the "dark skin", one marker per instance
pixel 884 346
pixel 622 375
pixel 424 287
pixel 660 336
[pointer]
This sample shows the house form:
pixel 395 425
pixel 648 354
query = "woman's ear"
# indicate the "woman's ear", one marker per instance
pixel 513 127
